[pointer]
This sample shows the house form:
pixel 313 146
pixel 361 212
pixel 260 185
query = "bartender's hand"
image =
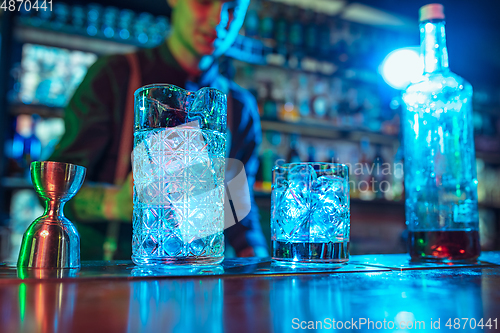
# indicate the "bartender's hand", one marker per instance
pixel 118 201
pixel 98 202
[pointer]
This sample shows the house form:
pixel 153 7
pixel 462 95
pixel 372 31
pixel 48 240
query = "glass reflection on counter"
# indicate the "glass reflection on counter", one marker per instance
pixel 176 306
pixel 49 307
pixel 354 298
pixel 177 271
pixel 309 300
pixel 488 286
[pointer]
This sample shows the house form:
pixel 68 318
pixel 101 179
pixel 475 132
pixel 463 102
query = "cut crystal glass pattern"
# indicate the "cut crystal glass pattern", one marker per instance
pixel 178 174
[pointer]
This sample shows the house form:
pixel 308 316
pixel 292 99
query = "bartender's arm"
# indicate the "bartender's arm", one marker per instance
pixel 87 119
pixel 246 236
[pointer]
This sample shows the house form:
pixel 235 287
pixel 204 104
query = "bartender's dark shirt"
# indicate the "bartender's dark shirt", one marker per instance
pixel 93 120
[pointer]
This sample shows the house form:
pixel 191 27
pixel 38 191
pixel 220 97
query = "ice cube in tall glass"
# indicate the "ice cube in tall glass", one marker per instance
pixel 178 165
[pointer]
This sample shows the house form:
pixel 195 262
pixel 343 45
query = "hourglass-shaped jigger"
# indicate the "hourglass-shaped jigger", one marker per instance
pixel 52 241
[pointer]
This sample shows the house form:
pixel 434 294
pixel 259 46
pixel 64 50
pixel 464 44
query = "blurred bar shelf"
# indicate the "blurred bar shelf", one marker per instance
pixel 319 130
pixel 16 183
pixel 47 37
pixel 41 110
pixel 248 50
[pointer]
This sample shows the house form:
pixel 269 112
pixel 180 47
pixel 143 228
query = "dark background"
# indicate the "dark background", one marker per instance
pixel 473 29
pixel 473 33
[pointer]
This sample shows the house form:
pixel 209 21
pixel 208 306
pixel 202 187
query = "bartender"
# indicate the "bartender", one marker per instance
pixel 96 137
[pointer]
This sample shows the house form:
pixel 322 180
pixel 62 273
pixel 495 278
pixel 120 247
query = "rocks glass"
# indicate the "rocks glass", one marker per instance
pixel 310 216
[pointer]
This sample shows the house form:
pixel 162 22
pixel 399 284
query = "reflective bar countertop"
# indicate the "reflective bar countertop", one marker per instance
pixel 371 293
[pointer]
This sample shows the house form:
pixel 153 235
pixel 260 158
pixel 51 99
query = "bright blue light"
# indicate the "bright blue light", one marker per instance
pixel 109 32
pixel 91 30
pixel 401 67
pixel 143 38
pixel 124 34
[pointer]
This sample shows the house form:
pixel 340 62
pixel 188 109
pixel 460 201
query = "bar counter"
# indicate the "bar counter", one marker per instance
pixel 371 293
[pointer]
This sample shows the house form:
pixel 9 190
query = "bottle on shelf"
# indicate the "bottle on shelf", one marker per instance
pixel 331 157
pixel 345 119
pixel 295 37
pixel 365 171
pixel 335 100
pixel 323 23
pixel 141 25
pixel 311 154
pixel 109 21
pixel 354 174
pixel 268 159
pixel 341 51
pixel 311 33
pixel 371 111
pixel 24 147
pixel 269 108
pixel 281 30
pixel 266 22
pixel 360 49
pixel 303 96
pixel 61 13
pixel 320 98
pixel 125 20
pixel 397 166
pixel 289 109
pixel 440 168
pixel 354 110
pixel 78 18
pixel 379 174
pixel 293 154
pixel 94 16
pixel 353 41
pixel 251 23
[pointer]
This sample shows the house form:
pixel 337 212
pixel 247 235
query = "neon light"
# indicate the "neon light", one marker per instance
pixel 401 67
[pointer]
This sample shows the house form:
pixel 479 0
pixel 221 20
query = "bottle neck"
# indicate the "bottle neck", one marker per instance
pixel 433 46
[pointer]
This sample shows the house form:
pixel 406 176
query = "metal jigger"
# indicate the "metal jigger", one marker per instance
pixel 52 241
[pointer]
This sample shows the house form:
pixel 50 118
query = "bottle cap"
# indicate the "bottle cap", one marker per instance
pixel 433 11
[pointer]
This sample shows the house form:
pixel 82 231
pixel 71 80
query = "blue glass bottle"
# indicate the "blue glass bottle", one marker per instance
pixel 440 169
